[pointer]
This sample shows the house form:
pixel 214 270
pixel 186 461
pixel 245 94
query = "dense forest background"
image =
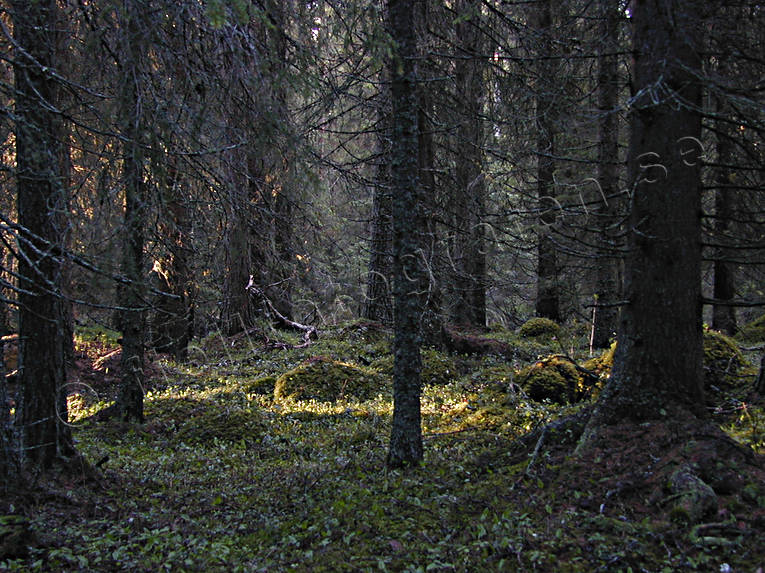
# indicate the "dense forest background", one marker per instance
pixel 173 171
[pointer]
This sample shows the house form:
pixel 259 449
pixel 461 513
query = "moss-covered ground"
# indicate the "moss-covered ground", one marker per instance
pixel 262 459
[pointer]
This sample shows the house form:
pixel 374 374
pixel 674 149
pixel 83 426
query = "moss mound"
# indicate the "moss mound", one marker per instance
pixel 601 365
pixel 539 328
pixel 724 364
pixel 554 379
pixel 264 385
pixel 320 378
pixel 752 332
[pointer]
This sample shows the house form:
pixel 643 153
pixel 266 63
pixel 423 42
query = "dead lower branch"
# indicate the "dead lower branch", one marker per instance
pixel 309 332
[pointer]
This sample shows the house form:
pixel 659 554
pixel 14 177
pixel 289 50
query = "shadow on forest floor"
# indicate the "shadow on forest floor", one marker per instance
pixel 225 477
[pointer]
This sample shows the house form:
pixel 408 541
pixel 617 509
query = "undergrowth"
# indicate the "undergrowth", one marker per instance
pixel 224 476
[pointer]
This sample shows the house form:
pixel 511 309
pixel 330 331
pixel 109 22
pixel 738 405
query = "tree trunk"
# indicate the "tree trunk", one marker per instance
pixel 406 432
pixel 259 237
pixel 658 363
pixel 607 272
pixel 377 303
pixel 133 319
pixel 548 290
pixel 238 311
pixel 281 160
pixel 431 320
pixel 173 323
pixel 724 289
pixel 8 453
pixel 40 197
pixel 468 251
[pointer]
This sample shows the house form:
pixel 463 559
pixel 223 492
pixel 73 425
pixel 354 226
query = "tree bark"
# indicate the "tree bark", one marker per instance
pixel 468 251
pixel 377 303
pixel 40 198
pixel 607 273
pixel 8 453
pixel 259 236
pixel 238 311
pixel 406 433
pixel 431 319
pixel 724 287
pixel 658 363
pixel 133 319
pixel 281 162
pixel 173 322
pixel 548 290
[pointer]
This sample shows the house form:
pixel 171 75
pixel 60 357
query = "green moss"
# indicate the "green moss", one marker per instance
pixel 539 328
pixel 725 367
pixel 438 368
pixel 489 418
pixel 201 421
pixel 327 380
pixel 680 515
pixel 752 332
pixel 602 365
pixel 263 385
pixel 16 536
pixel 217 424
pixel 554 379
pixel 97 333
pixel 499 375
pixel 723 363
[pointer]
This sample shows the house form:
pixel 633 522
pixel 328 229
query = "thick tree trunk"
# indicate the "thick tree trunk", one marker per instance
pixel 548 289
pixel 468 251
pixel 133 296
pixel 658 363
pixel 406 432
pixel 40 197
pixel 428 240
pixel 607 273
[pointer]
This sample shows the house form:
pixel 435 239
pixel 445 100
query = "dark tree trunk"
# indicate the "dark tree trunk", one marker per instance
pixel 133 295
pixel 8 453
pixel 431 320
pixel 377 304
pixel 40 197
pixel 406 433
pixel 724 289
pixel 280 163
pixel 548 289
pixel 468 251
pixel 172 327
pixel 239 310
pixel 607 273
pixel 658 363
pixel 259 236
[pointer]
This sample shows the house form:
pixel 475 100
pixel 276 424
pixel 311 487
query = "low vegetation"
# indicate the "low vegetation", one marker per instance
pixel 257 458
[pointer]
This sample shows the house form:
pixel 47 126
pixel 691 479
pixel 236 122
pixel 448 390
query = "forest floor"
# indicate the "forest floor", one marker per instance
pixel 258 456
